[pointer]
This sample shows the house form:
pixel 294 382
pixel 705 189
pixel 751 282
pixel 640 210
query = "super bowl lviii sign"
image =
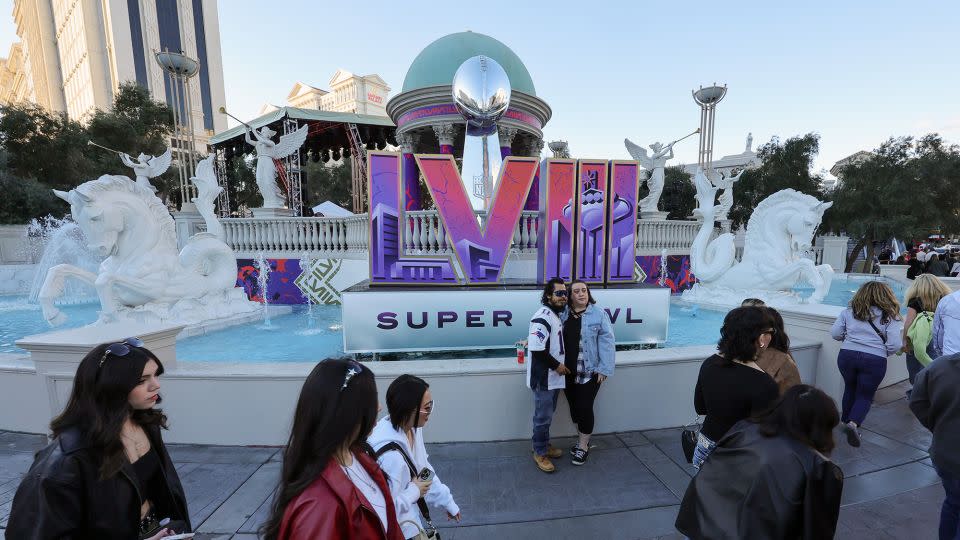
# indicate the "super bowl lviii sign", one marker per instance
pixel 460 299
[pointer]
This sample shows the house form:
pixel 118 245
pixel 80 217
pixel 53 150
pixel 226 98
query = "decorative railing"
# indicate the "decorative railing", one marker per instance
pixel 654 236
pixel 424 234
pixel 330 235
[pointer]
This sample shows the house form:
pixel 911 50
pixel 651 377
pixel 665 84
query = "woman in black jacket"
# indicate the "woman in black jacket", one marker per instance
pixel 107 473
pixel 731 385
pixel 770 477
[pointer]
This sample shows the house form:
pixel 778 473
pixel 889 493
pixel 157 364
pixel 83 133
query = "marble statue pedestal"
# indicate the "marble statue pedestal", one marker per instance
pixel 649 214
pixel 272 212
pixel 62 350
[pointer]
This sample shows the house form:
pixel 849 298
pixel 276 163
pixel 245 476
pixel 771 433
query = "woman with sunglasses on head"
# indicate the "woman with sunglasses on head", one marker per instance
pixel 107 473
pixel 330 484
pixel 589 354
pixel 397 440
pixel 731 386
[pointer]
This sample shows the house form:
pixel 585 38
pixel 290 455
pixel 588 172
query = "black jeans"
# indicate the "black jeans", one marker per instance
pixel 580 397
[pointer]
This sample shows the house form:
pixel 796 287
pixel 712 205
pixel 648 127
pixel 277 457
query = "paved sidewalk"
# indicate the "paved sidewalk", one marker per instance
pixel 630 488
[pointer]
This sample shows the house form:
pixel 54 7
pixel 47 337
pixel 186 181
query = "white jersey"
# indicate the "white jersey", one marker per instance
pixel 546 334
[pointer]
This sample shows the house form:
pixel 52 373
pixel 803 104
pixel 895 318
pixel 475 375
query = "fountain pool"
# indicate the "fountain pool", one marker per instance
pixel 300 336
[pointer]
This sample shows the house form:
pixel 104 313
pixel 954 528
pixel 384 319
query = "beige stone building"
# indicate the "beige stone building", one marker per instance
pixel 77 53
pixel 360 94
pixel 14 77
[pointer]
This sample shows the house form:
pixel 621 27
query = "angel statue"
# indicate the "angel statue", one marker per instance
pixel 722 210
pixel 655 164
pixel 268 153
pixel 147 167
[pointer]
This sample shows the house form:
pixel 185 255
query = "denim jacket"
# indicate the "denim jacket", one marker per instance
pixel 596 340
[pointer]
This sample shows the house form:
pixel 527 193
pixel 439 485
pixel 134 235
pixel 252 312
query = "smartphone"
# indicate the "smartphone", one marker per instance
pixel 183 536
pixel 425 474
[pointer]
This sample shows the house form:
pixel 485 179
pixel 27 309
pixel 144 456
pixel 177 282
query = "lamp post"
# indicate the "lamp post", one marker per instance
pixel 180 69
pixel 707 98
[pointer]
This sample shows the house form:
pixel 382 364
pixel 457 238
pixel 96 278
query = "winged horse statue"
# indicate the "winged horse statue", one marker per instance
pixel 779 235
pixel 143 276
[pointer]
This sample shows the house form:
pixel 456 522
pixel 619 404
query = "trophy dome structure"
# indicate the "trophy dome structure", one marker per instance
pixel 438 62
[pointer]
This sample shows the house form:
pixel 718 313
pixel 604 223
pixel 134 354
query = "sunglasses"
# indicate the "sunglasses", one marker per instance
pixel 771 331
pixel 428 409
pixel 120 349
pixel 561 294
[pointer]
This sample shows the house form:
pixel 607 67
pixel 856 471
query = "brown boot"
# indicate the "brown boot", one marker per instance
pixel 543 463
pixel 554 452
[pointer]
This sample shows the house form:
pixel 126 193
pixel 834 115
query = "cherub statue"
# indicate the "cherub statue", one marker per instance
pixel 147 167
pixel 269 151
pixel 654 163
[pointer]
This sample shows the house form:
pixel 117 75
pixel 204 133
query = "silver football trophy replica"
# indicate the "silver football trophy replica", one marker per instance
pixel 481 91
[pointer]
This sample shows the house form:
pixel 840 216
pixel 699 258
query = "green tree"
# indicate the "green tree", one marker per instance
pixel 323 183
pixel 44 146
pixel 782 165
pixel 242 183
pixel 905 189
pixel 679 193
pixel 25 199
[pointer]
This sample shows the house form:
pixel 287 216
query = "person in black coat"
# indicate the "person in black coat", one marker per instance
pixel 106 474
pixel 770 477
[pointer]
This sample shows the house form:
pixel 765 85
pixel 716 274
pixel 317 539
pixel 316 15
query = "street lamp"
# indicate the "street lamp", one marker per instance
pixel 707 98
pixel 180 69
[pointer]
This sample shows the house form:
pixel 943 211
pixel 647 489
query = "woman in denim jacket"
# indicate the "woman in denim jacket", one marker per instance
pixel 589 353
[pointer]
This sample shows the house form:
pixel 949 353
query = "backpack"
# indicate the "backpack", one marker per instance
pixel 920 334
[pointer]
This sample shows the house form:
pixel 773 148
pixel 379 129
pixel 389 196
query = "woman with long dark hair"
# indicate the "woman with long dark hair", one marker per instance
pixel 330 484
pixel 589 354
pixel 107 473
pixel 770 476
pixel 731 386
pixel 397 440
pixel 871 329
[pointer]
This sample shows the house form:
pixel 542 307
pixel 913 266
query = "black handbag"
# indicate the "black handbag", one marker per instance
pixel 431 530
pixel 688 439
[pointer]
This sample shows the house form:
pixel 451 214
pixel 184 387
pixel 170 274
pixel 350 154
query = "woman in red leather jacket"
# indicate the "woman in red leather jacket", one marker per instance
pixel 331 486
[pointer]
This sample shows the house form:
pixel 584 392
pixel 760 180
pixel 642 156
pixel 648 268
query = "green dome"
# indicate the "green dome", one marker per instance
pixel 438 62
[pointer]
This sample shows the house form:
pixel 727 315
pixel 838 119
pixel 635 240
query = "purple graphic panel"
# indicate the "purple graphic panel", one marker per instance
pixel 591 221
pixel 677 276
pixel 281 286
pixel 481 252
pixel 622 211
pixel 387 262
pixel 555 237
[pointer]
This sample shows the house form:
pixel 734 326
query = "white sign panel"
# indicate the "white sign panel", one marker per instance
pixel 376 320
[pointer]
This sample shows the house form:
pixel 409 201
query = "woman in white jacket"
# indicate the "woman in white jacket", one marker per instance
pixel 409 404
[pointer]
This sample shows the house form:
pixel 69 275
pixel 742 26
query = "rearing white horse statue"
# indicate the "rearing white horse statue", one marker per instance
pixel 779 234
pixel 143 275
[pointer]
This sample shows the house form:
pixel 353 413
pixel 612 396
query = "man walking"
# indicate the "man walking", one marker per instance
pixel 946 326
pixel 936 402
pixel 545 372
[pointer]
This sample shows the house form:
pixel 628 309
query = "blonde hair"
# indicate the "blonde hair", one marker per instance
pixel 875 294
pixel 928 289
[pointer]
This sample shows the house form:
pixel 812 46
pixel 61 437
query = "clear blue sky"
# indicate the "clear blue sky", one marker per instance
pixel 854 72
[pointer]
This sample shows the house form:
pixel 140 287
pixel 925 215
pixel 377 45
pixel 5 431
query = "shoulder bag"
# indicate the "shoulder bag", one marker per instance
pixel 431 531
pixel 688 438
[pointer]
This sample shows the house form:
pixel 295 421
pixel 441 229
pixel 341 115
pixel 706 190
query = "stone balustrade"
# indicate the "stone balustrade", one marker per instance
pixel 341 237
pixel 424 235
